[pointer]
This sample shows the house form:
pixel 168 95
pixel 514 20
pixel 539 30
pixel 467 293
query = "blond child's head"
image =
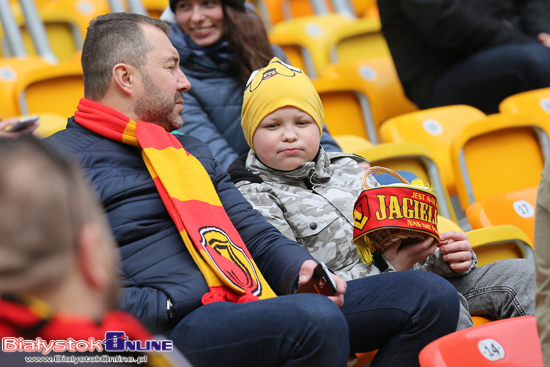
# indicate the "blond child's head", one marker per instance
pixel 282 116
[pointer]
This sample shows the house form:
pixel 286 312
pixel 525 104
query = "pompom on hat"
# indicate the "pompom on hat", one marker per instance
pixel 384 214
pixel 237 4
pixel 276 86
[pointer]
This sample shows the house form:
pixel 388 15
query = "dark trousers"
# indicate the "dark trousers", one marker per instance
pixel 397 313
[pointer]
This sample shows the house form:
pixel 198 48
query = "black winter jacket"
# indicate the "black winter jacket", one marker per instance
pixel 161 282
pixel 426 36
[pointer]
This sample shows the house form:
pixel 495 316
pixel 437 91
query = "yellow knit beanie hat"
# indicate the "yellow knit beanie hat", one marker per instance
pixel 275 86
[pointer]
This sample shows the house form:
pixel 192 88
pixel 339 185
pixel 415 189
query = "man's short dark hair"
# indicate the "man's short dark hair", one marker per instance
pixel 111 39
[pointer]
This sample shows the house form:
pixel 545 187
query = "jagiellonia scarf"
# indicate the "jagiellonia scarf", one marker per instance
pixel 192 202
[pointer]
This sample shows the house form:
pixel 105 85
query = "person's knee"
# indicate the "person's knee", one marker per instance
pixel 536 63
pixel 320 312
pixel 439 297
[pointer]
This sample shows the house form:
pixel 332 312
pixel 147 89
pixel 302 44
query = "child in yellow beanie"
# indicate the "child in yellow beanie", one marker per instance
pixel 309 195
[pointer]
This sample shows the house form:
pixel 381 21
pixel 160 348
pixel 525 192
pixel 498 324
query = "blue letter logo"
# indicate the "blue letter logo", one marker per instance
pixel 115 341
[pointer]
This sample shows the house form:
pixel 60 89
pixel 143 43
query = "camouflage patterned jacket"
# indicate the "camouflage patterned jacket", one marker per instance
pixel 313 205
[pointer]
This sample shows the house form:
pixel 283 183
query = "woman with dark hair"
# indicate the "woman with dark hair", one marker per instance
pixel 220 43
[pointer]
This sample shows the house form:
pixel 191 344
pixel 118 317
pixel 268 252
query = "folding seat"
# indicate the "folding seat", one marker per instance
pixel 11 70
pixel 50 123
pixel 536 102
pixel 282 10
pixel 504 241
pixel 352 143
pixel 155 8
pixel 511 207
pixel 512 342
pixel 316 41
pixel 503 152
pixel 54 89
pixel 306 40
pixel 359 96
pixel 65 23
pixel 14 67
pixel 434 128
pixel 361 40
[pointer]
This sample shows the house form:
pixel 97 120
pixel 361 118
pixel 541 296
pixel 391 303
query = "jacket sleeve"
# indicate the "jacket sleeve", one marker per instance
pixel 266 202
pixel 436 264
pixel 458 28
pixel 197 123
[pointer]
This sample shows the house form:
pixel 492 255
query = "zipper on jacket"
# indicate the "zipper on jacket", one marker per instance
pixel 169 308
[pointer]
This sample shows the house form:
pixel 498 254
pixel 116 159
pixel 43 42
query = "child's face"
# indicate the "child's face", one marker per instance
pixel 286 139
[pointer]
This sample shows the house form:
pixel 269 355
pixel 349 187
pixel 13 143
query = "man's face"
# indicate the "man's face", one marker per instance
pixel 160 99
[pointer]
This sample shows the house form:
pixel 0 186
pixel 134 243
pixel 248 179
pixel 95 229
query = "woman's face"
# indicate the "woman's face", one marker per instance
pixel 202 20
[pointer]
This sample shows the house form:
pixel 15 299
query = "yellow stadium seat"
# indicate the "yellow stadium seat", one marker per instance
pixel 358 96
pixel 504 241
pixel 65 22
pixel 503 152
pixel 512 207
pixel 444 225
pixel 54 89
pixel 360 40
pixel 510 342
pixel 281 10
pixel 309 41
pixel 12 69
pixel 155 7
pixel 50 123
pixel 536 102
pixel 352 143
pixel 434 128
pixel 365 8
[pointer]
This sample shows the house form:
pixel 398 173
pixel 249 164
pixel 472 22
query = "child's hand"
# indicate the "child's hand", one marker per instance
pixel 404 258
pixel 456 250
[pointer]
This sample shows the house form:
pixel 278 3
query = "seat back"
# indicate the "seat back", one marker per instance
pixel 536 102
pixel 12 70
pixel 50 123
pixel 510 342
pixel 434 128
pixel 282 10
pixel 65 23
pixel 503 152
pixel 512 207
pixel 306 40
pixel 362 39
pixel 55 89
pixel 358 96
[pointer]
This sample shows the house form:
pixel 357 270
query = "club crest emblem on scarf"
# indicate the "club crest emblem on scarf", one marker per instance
pixel 239 269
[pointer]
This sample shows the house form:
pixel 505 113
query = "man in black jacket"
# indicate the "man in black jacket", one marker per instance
pixel 474 52
pixel 134 90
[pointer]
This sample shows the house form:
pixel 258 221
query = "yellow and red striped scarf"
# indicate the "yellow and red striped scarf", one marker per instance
pixel 192 202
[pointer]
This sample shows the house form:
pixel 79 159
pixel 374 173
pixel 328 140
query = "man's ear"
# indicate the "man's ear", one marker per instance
pixel 93 256
pixel 124 76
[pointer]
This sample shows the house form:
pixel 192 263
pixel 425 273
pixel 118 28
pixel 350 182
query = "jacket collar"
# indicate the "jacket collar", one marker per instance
pixel 317 171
